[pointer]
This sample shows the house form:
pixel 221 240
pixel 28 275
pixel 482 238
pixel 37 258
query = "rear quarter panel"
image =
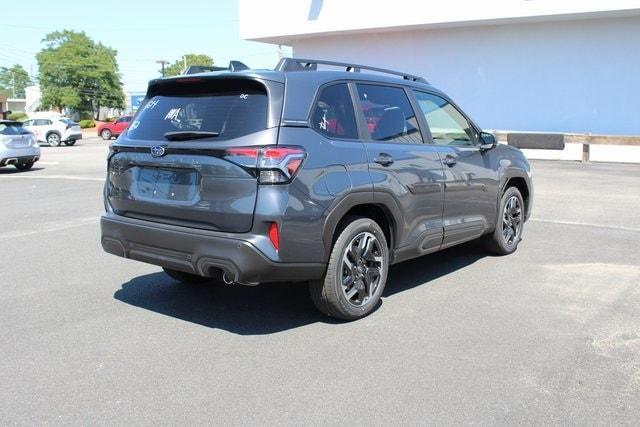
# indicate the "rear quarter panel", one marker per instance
pixel 332 171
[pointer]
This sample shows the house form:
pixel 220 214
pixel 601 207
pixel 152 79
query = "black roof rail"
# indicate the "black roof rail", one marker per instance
pixel 302 64
pixel 233 66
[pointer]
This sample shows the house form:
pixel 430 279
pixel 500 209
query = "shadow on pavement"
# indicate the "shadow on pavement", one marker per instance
pixel 10 170
pixel 274 307
pixel 420 271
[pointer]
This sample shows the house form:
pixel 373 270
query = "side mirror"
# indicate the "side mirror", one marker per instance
pixel 487 141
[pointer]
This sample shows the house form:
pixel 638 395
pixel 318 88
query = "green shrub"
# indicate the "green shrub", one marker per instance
pixel 89 123
pixel 18 115
pixel 110 119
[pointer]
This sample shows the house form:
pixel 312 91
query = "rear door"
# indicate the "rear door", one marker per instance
pixel 471 175
pixel 184 158
pixel 403 166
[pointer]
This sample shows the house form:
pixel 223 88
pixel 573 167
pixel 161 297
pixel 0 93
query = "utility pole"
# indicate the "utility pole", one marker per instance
pixel 162 62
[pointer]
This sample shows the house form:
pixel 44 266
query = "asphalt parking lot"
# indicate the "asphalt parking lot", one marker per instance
pixel 548 335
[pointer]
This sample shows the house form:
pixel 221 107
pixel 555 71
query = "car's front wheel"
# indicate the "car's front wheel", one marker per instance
pixel 53 139
pixel 510 223
pixel 106 134
pixel 356 274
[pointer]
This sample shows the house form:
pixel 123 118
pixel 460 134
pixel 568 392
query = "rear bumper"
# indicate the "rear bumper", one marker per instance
pixel 72 136
pixel 10 156
pixel 198 251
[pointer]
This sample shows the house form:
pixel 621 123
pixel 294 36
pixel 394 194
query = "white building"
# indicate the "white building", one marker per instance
pixel 536 65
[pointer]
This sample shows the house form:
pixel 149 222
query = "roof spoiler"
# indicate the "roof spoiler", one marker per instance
pixel 233 66
pixel 300 64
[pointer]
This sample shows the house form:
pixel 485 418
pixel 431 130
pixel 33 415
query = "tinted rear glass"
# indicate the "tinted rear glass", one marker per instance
pixel 12 129
pixel 232 108
pixel 68 122
pixel 333 115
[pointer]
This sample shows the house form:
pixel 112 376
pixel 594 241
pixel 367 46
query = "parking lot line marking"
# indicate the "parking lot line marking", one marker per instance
pixel 586 224
pixel 49 227
pixel 49 163
pixel 68 177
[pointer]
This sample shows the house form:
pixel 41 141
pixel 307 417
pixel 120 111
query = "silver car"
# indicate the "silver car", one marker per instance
pixel 18 146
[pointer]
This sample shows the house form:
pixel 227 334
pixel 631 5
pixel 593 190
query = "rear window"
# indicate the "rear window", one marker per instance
pixel 12 129
pixel 231 108
pixel 68 122
pixel 333 114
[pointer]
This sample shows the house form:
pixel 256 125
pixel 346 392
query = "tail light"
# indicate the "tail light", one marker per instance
pixel 274 164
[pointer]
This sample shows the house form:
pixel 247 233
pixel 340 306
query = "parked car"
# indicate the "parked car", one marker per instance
pixel 326 177
pixel 54 130
pixel 18 146
pixel 114 129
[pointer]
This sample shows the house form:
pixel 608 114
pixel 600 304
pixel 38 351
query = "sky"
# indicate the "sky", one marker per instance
pixel 142 31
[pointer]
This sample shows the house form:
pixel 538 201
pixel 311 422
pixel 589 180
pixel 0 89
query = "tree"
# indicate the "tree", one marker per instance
pixel 13 81
pixel 78 73
pixel 191 59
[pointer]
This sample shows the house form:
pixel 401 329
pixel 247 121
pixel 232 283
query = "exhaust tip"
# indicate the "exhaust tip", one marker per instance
pixel 226 279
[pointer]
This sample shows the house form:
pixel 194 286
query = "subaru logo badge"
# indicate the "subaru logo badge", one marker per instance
pixel 158 151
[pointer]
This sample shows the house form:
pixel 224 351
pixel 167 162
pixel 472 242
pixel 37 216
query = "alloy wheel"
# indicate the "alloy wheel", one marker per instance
pixel 512 221
pixel 53 139
pixel 362 267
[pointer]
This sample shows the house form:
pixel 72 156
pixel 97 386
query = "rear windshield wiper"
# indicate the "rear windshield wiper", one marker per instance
pixel 183 135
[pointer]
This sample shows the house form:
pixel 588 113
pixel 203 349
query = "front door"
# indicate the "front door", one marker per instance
pixel 121 125
pixel 403 167
pixel 470 202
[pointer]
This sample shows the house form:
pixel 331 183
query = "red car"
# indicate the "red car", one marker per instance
pixel 109 130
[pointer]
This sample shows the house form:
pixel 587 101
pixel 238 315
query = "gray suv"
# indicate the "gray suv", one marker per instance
pixel 300 174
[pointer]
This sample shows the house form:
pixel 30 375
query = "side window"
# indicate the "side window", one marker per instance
pixel 388 114
pixel 27 123
pixel 448 126
pixel 333 114
pixel 47 122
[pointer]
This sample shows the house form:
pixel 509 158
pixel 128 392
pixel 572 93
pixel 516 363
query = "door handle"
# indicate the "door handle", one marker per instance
pixel 383 159
pixel 449 160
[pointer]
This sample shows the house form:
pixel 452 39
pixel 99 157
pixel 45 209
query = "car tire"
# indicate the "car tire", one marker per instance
pixel 24 166
pixel 70 142
pixel 106 134
pixel 53 139
pixel 184 277
pixel 509 225
pixel 356 273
